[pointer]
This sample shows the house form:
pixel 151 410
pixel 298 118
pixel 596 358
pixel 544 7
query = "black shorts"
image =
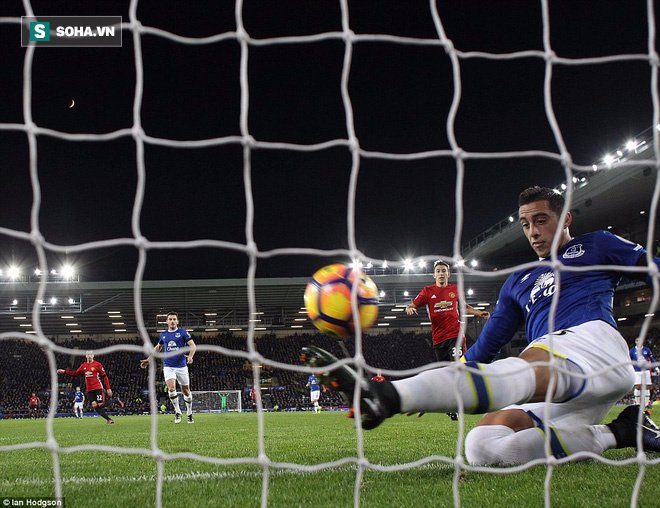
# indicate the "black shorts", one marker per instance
pixel 445 351
pixel 97 396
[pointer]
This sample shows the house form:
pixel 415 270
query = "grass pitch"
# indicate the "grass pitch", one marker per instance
pixel 218 461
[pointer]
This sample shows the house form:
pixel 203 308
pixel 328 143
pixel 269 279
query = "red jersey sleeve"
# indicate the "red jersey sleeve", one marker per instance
pixel 75 372
pixel 103 377
pixel 422 298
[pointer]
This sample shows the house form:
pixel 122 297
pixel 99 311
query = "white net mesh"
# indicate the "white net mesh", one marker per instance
pixel 251 146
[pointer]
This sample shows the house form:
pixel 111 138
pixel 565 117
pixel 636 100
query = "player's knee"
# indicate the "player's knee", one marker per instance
pixel 485 444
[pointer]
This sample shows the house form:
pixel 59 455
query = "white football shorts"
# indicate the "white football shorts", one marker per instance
pixel 597 351
pixel 178 373
pixel 77 405
pixel 644 376
pixel 314 395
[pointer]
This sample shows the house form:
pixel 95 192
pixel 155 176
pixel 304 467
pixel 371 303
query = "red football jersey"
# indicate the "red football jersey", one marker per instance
pixel 442 305
pixel 93 372
pixel 34 401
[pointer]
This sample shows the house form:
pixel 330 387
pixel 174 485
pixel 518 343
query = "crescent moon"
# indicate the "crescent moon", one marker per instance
pixel 73 103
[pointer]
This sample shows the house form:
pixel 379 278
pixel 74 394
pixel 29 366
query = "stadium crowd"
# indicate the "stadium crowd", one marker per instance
pixel 24 369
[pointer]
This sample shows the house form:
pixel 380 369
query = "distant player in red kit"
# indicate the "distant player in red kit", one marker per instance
pixel 94 373
pixel 33 408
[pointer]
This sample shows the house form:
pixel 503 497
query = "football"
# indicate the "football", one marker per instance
pixel 328 300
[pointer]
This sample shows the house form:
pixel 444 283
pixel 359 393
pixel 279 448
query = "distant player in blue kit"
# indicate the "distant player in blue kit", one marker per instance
pixel 641 353
pixel 314 392
pixel 78 402
pixel 512 391
pixel 175 368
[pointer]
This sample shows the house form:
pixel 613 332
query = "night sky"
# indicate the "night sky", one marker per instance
pixel 400 95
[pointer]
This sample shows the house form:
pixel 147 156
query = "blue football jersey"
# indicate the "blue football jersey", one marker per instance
pixel 78 396
pixel 313 383
pixel 526 296
pixel 640 354
pixel 173 341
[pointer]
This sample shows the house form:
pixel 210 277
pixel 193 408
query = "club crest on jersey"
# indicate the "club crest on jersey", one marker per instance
pixel 543 286
pixel 452 295
pixel 574 251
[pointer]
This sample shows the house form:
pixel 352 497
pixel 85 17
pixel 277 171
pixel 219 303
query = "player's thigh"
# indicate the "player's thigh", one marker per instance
pixel 97 397
pixel 169 373
pixel 447 351
pixel 183 377
pixel 515 419
pixel 314 395
pixel 642 377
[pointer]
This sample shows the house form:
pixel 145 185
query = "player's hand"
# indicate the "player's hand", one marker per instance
pixel 189 359
pixel 485 314
pixel 144 363
pixel 109 392
pixel 411 310
pixel 60 371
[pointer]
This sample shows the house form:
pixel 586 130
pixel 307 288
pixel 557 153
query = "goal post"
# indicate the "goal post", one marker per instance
pixel 217 401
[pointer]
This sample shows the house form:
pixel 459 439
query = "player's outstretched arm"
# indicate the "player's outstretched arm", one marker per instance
pixel 145 363
pixel 411 309
pixel 193 348
pixel 479 313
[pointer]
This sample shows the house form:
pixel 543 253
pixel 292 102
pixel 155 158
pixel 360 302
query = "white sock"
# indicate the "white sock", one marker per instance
pixel 507 381
pixel 638 396
pixel 188 401
pixel 174 399
pixel 498 444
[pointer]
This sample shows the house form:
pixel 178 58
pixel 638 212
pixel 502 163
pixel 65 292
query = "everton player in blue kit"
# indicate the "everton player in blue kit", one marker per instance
pixel 576 359
pixel 175 368
pixel 314 392
pixel 78 402
pixel 640 353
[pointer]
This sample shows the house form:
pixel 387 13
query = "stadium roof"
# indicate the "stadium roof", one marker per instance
pixel 109 308
pixel 613 196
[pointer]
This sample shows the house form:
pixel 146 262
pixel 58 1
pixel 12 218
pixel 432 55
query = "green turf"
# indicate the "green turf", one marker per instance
pixel 93 477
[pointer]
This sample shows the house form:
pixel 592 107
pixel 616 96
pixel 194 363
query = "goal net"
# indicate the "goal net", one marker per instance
pixel 424 116
pixel 221 401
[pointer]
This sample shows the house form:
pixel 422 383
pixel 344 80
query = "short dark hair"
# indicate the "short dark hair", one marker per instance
pixel 536 193
pixel 172 313
pixel 440 262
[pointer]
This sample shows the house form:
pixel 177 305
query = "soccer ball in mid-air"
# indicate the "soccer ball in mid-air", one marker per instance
pixel 328 300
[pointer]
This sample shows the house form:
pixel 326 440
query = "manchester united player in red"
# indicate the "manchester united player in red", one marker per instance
pixel 441 300
pixel 94 373
pixel 33 407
